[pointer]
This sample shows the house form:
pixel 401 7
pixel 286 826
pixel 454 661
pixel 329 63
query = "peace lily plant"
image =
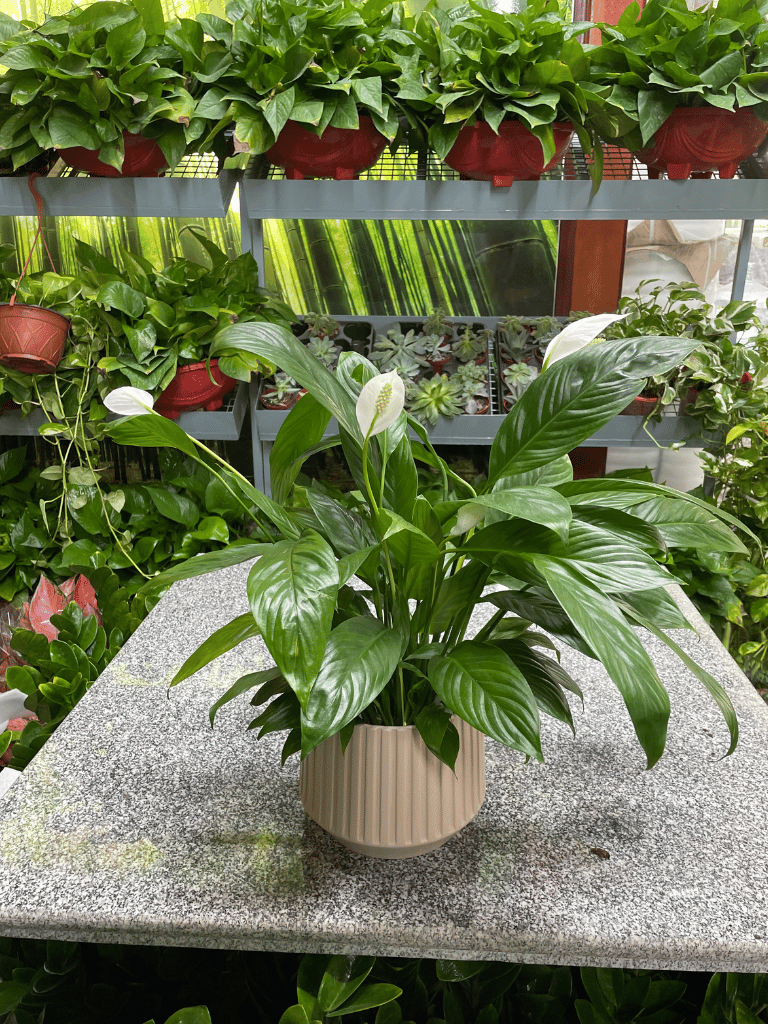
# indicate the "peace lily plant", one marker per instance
pixel 577 559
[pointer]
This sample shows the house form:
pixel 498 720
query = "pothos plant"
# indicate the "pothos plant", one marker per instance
pixel 666 56
pixel 492 66
pixel 319 64
pixel 573 557
pixel 86 76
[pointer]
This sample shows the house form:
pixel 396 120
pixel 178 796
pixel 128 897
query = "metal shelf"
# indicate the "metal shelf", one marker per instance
pixel 409 187
pixel 223 424
pixel 195 188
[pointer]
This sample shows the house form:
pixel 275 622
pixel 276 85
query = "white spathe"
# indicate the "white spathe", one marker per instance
pixel 380 403
pixel 11 706
pixel 578 335
pixel 129 401
pixel 468 517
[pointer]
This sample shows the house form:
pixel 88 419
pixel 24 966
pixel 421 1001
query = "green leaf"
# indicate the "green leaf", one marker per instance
pixel 360 659
pixel 458 970
pixel 303 428
pixel 190 1015
pixel 721 698
pixel 243 685
pixel 534 504
pixel 342 977
pixel 12 463
pixel 280 348
pixel 69 127
pixel 576 396
pixel 124 42
pixel 367 997
pixel 117 295
pixel 295 1015
pixel 224 639
pixel 154 430
pixel 176 507
pixel 480 684
pixel 618 647
pixel 292 593
pixel 545 677
pixel 210 561
pixel 439 733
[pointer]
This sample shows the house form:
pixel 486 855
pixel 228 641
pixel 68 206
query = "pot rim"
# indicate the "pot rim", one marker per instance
pixel 30 305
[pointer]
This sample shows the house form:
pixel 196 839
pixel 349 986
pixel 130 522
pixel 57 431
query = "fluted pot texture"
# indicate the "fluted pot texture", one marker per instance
pixel 388 795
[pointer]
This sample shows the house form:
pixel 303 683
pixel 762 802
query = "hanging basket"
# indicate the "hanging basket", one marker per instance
pixel 338 153
pixel 695 141
pixel 143 159
pixel 32 338
pixel 515 154
pixel 192 389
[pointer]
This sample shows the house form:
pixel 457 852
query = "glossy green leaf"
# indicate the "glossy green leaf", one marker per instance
pixel 243 685
pixel 458 970
pixel 366 998
pixel 295 1015
pixel 117 295
pixel 545 677
pixel 480 684
pixel 177 507
pixel 224 639
pixel 575 397
pixel 190 1015
pixel 12 463
pixel 303 428
pixel 292 593
pixel 360 659
pixel 534 504
pixel 440 735
pixel 618 647
pixel 279 347
pixel 719 695
pixel 342 977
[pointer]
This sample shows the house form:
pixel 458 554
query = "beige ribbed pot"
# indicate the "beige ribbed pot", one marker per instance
pixel 387 795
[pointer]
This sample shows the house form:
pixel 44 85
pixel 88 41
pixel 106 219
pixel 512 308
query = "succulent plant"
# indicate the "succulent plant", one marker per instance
pixel 518 377
pixel 472 380
pixel 517 342
pixel 321 325
pixel 435 348
pixel 470 344
pixel 398 351
pixel 323 349
pixel 435 396
pixel 438 323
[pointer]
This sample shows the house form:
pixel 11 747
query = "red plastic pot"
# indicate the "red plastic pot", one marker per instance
pixel 338 153
pixel 31 338
pixel 143 159
pixel 641 406
pixel 699 140
pixel 515 154
pixel 482 405
pixel 191 388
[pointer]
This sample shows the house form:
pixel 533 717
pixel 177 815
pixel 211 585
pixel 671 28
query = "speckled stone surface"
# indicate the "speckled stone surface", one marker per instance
pixel 138 823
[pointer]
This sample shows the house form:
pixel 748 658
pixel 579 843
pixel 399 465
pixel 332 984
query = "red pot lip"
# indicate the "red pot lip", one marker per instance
pixel 189 367
pixel 29 305
pixel 710 111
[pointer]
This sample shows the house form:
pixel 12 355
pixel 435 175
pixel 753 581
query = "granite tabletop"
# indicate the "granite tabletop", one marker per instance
pixel 138 823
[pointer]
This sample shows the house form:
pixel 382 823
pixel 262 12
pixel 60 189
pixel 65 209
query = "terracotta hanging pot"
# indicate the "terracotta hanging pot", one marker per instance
pixel 641 406
pixel 699 140
pixel 32 338
pixel 192 388
pixel 143 159
pixel 515 154
pixel 338 153
pixel 387 795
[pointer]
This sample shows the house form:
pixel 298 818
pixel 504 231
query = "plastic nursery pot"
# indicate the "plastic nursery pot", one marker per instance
pixel 478 406
pixel 515 154
pixel 31 338
pixel 143 159
pixel 338 153
pixel 699 140
pixel 387 796
pixel 641 406
pixel 191 388
pixel 438 365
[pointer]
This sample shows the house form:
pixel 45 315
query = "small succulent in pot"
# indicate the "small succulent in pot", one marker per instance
pixel 438 323
pixel 433 397
pixel 516 342
pixel 471 345
pixel 437 351
pixel 517 378
pixel 321 325
pixel 322 348
pixel 280 391
pixel 473 382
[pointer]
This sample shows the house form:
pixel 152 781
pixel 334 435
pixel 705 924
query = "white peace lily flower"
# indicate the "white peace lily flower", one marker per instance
pixel 129 401
pixel 380 403
pixel 469 516
pixel 578 335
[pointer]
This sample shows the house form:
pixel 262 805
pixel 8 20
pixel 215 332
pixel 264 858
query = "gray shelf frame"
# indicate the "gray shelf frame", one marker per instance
pixel 82 196
pixel 222 424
